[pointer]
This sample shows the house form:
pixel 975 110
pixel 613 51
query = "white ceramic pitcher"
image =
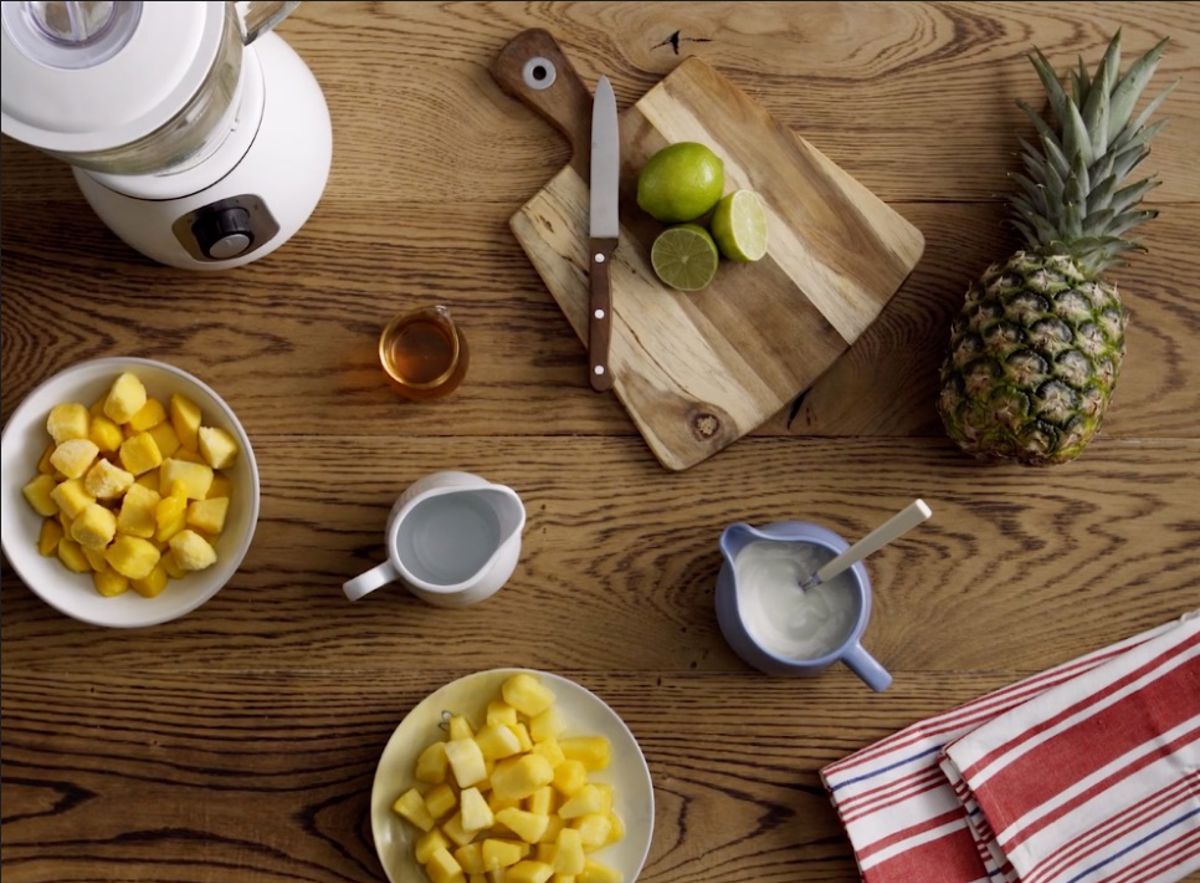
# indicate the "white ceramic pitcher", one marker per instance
pixel 453 538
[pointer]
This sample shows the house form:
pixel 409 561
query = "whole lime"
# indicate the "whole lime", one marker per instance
pixel 681 182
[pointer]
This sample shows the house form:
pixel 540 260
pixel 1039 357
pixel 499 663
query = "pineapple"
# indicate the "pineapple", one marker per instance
pixel 1036 350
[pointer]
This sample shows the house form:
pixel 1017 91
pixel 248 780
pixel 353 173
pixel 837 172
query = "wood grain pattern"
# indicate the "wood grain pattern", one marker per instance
pixel 239 743
pixel 697 371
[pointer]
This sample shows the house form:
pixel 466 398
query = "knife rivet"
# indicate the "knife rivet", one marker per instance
pixel 599 259
pixel 599 369
pixel 599 314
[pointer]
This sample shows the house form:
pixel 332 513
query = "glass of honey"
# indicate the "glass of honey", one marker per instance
pixel 423 353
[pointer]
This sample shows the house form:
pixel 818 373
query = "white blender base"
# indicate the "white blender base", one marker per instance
pixel 286 167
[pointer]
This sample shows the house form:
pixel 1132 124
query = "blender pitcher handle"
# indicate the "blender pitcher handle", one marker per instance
pixel 868 668
pixel 256 17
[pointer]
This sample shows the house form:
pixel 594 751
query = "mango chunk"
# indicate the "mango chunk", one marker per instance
pixel 164 436
pixel 105 434
pixel 520 777
pixel 71 497
pixel 139 453
pixel 136 517
pixel 192 551
pixel 71 554
pixel 132 557
pixel 150 414
pixel 185 417
pixel 49 536
pixel 476 815
pixel 526 694
pixel 152 585
pixel 466 761
pixel 529 872
pixel 67 421
pixel 431 764
pixel 45 467
pixel 411 806
pixel 126 397
pixel 196 477
pixel 171 566
pixel 208 515
pixel 94 528
pixel 73 457
pixel 218 448
pixel 104 481
pixel 95 557
pixel 170 514
pixel 40 494
pixel 109 583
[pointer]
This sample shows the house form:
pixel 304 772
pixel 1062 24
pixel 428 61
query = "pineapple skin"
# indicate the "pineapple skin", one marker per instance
pixel 1033 360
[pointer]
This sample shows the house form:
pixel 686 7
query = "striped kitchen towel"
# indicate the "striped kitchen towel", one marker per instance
pixel 1084 773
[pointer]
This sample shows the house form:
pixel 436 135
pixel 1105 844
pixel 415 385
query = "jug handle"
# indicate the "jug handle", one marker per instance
pixel 868 668
pixel 365 583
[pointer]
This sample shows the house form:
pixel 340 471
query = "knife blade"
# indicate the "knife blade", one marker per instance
pixel 604 231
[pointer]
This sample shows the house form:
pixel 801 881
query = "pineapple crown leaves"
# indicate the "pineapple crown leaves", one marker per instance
pixel 1069 197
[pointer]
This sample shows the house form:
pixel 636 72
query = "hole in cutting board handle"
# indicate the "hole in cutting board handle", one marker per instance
pixel 539 73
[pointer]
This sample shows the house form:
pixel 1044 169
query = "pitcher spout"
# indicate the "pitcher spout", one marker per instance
pixel 735 537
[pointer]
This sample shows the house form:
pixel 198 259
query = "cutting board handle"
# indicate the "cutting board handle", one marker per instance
pixel 533 69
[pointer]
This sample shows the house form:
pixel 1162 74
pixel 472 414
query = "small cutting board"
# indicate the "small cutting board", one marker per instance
pixel 698 371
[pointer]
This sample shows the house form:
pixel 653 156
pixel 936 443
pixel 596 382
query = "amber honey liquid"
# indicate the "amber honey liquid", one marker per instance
pixel 423 354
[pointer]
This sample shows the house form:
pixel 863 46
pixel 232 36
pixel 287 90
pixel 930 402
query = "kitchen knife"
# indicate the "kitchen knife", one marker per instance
pixel 605 230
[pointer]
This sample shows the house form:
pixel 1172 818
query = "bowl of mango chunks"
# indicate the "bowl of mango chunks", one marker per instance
pixel 130 492
pixel 512 776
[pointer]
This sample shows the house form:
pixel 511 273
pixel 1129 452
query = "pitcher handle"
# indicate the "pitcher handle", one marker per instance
pixel 868 668
pixel 365 583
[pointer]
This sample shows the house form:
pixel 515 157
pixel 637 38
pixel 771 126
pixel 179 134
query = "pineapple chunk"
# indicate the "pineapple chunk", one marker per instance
pixel 547 725
pixel 453 829
pixel 520 777
pixel 460 728
pixel 428 843
pixel 97 408
pixel 71 497
pixel 185 417
pixel 563 878
pixel 606 796
pixel 67 421
pixel 48 539
pixel 466 760
pixel 496 741
pixel 139 453
pixel 500 713
pixel 553 829
pixel 593 830
pixel 192 551
pixel 136 517
pixel 73 457
pixel 45 467
pixel 208 515
pixel 594 752
pixel 431 765
pixel 442 868
pixel 171 566
pixel 440 800
pixel 109 583
pixel 594 872
pixel 151 414
pixel 586 801
pixel 411 806
pixel 148 480
pixel 71 554
pixel 526 825
pixel 541 801
pixel 164 436
pixel 41 495
pixel 522 735
pixel 221 487
pixel 569 777
pixel 196 477
pixel 617 832
pixel 217 447
pixel 126 397
pixel 550 750
pixel 502 853
pixel 94 528
pixel 189 456
pixel 152 586
pixel 475 812
pixel 545 852
pixel 529 872
pixel 498 803
pixel 526 694
pixel 132 557
pixel 105 434
pixel 471 858
pixel 104 481
pixel 568 856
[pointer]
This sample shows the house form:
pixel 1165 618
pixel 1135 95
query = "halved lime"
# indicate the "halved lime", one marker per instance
pixel 739 226
pixel 685 257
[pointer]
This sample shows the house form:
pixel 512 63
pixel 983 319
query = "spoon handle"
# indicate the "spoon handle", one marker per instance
pixel 895 527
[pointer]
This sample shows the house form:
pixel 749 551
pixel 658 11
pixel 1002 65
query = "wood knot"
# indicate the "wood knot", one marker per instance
pixel 705 425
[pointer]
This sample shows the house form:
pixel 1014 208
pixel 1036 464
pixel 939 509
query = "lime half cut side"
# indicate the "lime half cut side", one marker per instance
pixel 685 257
pixel 739 226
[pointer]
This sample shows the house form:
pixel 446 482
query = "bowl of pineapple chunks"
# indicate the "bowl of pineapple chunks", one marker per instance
pixel 130 492
pixel 512 776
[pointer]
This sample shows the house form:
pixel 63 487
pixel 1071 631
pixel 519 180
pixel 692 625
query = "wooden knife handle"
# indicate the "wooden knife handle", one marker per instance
pixel 533 58
pixel 600 313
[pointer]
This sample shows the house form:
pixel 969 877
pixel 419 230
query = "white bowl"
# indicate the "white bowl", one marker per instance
pixel 25 439
pixel 584 713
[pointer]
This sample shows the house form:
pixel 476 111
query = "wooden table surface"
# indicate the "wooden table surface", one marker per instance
pixel 240 742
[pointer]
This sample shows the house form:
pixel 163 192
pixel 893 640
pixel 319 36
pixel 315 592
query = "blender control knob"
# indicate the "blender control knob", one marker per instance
pixel 223 233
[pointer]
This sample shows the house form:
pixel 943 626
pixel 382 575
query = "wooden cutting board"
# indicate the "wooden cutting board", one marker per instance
pixel 698 371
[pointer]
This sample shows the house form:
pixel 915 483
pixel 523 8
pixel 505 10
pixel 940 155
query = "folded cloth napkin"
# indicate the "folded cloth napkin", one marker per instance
pixel 1087 772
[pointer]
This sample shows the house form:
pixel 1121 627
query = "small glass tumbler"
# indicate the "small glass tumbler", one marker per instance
pixel 424 354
